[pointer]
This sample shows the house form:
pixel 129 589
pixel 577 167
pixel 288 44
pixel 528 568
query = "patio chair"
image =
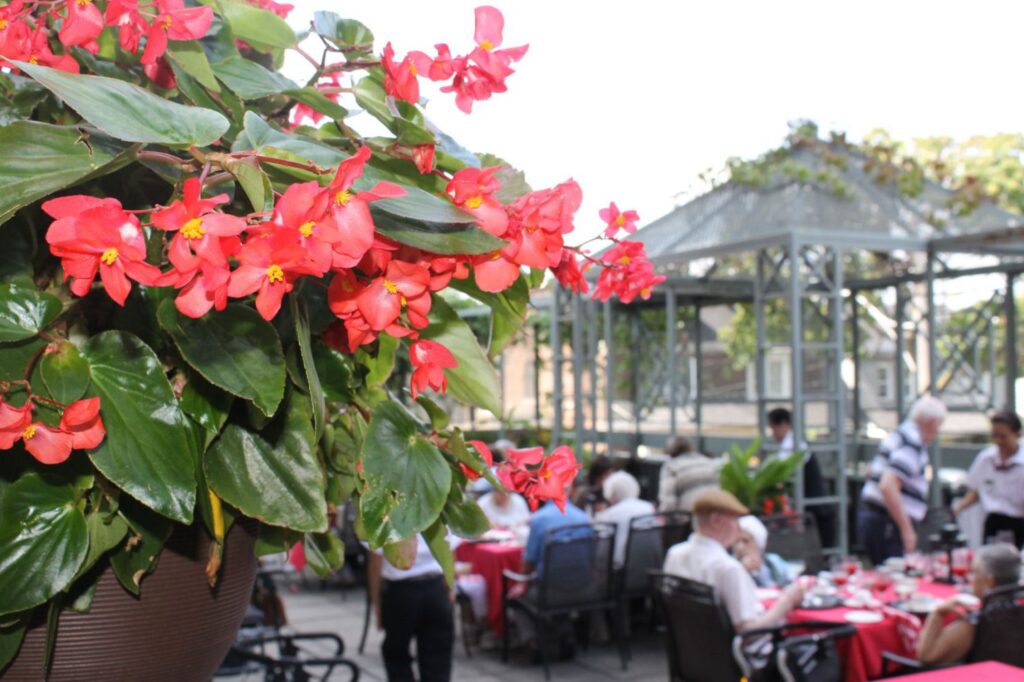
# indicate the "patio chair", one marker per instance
pixel 577 578
pixel 796 537
pixel 650 537
pixel 703 646
pixel 996 637
pixel 282 657
pixel 293 658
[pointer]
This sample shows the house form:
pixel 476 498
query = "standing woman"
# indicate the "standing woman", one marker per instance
pixel 997 479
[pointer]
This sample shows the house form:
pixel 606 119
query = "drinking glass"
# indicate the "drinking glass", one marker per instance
pixel 961 564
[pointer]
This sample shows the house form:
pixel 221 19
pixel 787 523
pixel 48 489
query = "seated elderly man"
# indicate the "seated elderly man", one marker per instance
pixel 623 494
pixel 704 558
pixel 994 566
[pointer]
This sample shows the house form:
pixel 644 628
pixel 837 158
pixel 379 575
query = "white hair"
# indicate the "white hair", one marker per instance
pixel 1001 562
pixel 620 486
pixel 757 530
pixel 928 408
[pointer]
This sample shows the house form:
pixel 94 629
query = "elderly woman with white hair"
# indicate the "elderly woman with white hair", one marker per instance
pixel 895 495
pixel 766 568
pixel 623 494
pixel 944 642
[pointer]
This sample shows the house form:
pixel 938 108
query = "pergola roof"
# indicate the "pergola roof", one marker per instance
pixel 801 200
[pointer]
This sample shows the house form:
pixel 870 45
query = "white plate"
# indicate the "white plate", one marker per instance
pixel 968 600
pixel 768 593
pixel 864 617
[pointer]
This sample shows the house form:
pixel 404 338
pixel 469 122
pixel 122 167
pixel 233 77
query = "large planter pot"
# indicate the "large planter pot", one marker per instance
pixel 178 631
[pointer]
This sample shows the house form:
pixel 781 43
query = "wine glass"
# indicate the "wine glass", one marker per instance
pixel 961 564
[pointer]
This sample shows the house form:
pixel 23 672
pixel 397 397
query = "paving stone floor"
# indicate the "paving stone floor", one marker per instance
pixel 311 609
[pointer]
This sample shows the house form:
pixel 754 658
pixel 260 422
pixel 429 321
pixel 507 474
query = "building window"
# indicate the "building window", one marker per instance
pixel 776 377
pixel 883 379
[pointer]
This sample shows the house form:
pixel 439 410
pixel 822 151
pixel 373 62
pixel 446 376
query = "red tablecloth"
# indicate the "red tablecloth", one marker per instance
pixel 862 653
pixel 990 671
pixel 489 559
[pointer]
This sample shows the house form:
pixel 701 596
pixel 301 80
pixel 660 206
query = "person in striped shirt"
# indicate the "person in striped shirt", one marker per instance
pixel 895 495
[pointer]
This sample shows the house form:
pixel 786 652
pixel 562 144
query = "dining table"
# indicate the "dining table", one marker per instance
pixel 988 671
pixel 893 631
pixel 489 560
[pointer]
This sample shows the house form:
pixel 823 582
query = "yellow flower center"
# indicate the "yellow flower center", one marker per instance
pixel 496 255
pixel 412 69
pixel 34 59
pixel 307 229
pixel 167 22
pixel 83 3
pixel 531 229
pixel 645 292
pixel 193 229
pixel 625 260
pixel 109 256
pixel 474 202
pixel 342 198
pixel 275 274
pixel 487 45
pixel 29 432
pixel 390 286
pixel 621 220
pixel 403 301
pixel 3 24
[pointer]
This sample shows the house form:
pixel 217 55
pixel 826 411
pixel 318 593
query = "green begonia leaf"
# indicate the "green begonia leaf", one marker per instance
pixel 147 452
pixel 128 112
pixel 234 349
pixel 43 541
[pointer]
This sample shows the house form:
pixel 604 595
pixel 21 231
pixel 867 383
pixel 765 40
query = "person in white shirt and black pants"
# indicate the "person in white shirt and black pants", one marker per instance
pixel 414 603
pixel 996 479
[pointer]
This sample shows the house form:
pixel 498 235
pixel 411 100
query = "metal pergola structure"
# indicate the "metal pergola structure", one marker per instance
pixel 800 231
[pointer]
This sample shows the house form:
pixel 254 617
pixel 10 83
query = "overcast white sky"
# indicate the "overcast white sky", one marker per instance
pixel 635 99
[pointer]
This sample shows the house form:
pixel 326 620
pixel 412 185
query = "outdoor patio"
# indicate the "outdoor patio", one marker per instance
pixel 314 610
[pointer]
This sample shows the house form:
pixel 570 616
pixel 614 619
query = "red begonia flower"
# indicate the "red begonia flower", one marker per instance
pixel 404 286
pixel 82 420
pixel 93 236
pixel 616 220
pixel 47 444
pixel 429 360
pixel 82 25
pixel 13 422
pixel 351 210
pixel 400 78
pixel 485 454
pixel 174 21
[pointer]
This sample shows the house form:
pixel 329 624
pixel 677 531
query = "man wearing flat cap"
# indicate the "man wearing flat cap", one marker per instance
pixel 704 557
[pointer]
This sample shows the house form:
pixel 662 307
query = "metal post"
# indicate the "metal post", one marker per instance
pixel 609 376
pixel 501 386
pixel 556 365
pixel 670 349
pixel 634 373
pixel 796 349
pixel 901 351
pixel 855 322
pixel 536 376
pixel 1011 344
pixel 698 405
pixel 591 308
pixel 933 379
pixel 578 362
pixel 840 434
pixel 759 344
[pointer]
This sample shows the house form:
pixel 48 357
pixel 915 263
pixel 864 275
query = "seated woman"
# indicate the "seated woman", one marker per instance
pixel 940 644
pixel 767 569
pixel 504 509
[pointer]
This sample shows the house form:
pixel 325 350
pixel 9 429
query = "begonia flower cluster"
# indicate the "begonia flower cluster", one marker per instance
pixel 80 428
pixel 31 30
